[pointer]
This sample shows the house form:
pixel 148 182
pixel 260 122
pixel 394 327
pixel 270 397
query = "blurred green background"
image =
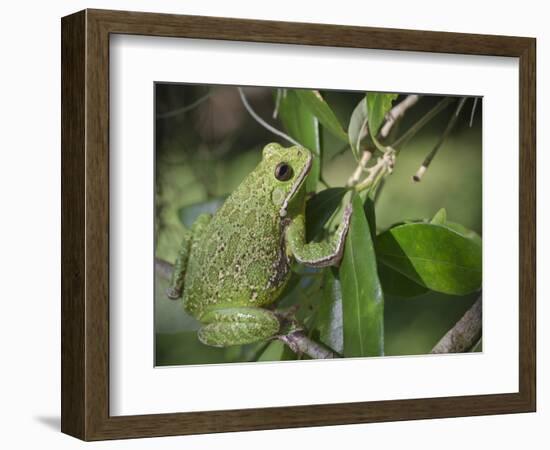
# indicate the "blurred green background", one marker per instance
pixel 206 143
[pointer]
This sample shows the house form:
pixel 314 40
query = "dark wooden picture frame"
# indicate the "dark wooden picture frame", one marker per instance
pixel 85 224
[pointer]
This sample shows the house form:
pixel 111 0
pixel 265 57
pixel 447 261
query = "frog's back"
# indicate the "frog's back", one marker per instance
pixel 239 259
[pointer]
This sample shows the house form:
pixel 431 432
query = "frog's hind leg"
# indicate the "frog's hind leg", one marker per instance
pixel 237 326
pixel 180 266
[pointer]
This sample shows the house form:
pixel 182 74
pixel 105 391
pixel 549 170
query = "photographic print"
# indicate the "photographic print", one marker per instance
pixel 294 218
pixel 297 224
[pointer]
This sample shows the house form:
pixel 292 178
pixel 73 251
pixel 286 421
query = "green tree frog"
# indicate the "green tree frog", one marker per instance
pixel 233 264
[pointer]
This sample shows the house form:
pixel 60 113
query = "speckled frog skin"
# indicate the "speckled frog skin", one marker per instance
pixel 233 264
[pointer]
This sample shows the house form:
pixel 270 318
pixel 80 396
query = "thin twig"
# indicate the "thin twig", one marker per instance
pixel 384 165
pixel 464 335
pixel 396 112
pixel 473 111
pixel 183 109
pixel 361 167
pixel 263 123
pixel 420 123
pixel 427 161
pixel 277 102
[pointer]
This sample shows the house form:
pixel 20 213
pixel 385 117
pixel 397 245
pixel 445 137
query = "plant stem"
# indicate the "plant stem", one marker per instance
pixel 383 166
pixel 464 335
pixel 262 122
pixel 420 124
pixel 356 175
pixel 396 112
pixel 427 161
pixel 473 111
pixel 299 343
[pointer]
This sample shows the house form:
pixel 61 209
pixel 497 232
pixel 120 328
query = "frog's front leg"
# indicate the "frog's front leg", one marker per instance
pixel 317 254
pixel 175 287
pixel 237 326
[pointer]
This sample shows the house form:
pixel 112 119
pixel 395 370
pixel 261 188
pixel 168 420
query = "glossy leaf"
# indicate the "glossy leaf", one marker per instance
pixel 301 124
pixel 320 208
pixel 440 217
pixel 362 298
pixel 377 107
pixel 370 212
pixel 329 315
pixel 394 283
pixel 462 230
pixel 357 129
pixel 432 255
pixel 317 105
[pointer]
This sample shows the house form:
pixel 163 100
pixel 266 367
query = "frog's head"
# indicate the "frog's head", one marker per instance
pixel 288 169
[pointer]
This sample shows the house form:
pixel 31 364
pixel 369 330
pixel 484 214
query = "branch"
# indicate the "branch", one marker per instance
pixel 464 335
pixel 473 111
pixel 421 122
pixel 396 112
pixel 262 122
pixel 383 166
pixel 361 167
pixel 297 341
pixel 428 160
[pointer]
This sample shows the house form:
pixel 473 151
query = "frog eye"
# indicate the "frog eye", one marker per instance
pixel 283 172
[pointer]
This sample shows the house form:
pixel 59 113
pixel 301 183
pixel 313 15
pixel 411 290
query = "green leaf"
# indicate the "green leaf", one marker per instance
pixel 377 106
pixel 362 298
pixel 370 212
pixel 301 124
pixel 317 105
pixel 462 230
pixel 432 255
pixel 328 321
pixel 357 128
pixel 393 283
pixel 440 217
pixel 320 208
